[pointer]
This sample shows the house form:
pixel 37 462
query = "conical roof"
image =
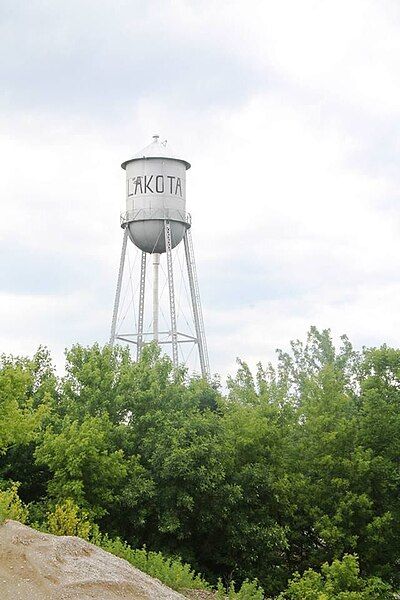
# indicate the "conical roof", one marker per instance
pixel 157 149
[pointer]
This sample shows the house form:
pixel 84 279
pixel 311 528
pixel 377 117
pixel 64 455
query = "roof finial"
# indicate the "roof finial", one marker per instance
pixel 155 138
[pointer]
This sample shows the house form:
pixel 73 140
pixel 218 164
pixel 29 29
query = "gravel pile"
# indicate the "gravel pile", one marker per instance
pixel 38 566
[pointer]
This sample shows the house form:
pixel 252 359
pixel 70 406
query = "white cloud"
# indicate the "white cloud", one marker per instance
pixel 285 110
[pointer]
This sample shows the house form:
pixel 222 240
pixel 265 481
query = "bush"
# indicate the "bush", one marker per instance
pixel 171 571
pixel 339 581
pixel 69 519
pixel 250 590
pixel 11 505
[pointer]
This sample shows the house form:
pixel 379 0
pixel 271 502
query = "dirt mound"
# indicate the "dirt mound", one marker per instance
pixel 38 566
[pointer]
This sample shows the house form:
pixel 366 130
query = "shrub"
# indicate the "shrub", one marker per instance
pixel 250 590
pixel 11 505
pixel 171 571
pixel 339 581
pixel 68 519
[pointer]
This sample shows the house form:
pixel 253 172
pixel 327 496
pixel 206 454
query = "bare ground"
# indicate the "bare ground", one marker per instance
pixel 199 594
pixel 38 566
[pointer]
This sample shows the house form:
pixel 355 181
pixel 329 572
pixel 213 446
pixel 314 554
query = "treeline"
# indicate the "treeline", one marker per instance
pixel 294 466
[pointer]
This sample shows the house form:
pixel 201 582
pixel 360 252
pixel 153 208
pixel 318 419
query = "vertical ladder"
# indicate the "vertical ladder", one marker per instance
pixel 156 264
pixel 141 305
pixel 168 248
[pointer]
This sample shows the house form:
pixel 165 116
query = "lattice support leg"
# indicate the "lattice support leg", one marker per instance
pixel 118 290
pixel 196 305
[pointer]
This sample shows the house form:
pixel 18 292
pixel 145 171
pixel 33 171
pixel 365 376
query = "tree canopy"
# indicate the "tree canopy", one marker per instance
pixel 291 468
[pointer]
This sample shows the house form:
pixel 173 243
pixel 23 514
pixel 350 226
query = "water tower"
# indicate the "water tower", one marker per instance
pixel 156 221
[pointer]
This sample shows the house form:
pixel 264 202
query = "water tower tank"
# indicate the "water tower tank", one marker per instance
pixel 155 192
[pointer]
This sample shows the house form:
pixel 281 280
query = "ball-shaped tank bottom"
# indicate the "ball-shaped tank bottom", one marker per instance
pixel 149 235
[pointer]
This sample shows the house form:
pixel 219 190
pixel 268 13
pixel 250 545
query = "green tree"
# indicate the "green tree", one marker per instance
pixel 337 581
pixel 11 506
pixel 379 434
pixel 84 463
pixel 19 418
pixel 297 465
pixel 27 396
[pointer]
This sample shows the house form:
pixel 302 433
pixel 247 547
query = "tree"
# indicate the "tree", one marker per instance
pixel 27 395
pixel 19 417
pixel 337 581
pixel 83 462
pixel 295 467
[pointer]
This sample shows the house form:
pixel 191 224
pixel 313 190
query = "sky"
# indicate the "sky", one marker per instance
pixel 289 113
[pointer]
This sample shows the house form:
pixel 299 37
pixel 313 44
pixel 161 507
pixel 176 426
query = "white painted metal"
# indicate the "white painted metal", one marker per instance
pixel 200 310
pixel 174 337
pixel 141 305
pixel 155 191
pixel 157 149
pixel 118 290
pixel 156 264
pixel 156 221
pixel 196 305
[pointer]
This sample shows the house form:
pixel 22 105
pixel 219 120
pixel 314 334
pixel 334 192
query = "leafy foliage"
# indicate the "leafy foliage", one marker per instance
pixel 249 590
pixel 339 581
pixel 20 388
pixel 11 506
pixel 84 465
pixel 171 571
pixel 296 466
pixel 68 519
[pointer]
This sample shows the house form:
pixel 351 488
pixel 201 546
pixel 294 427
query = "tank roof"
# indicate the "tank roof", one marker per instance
pixel 157 149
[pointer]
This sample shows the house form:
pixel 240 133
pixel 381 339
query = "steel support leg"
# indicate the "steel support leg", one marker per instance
pixel 168 247
pixel 141 305
pixel 196 305
pixel 118 291
pixel 156 264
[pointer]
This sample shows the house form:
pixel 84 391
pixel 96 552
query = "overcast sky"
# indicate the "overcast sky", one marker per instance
pixel 290 115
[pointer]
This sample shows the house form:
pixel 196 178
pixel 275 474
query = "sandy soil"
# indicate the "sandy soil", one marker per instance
pixel 37 566
pixel 199 594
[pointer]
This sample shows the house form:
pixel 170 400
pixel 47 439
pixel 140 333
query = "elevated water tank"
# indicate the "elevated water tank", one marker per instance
pixel 155 192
